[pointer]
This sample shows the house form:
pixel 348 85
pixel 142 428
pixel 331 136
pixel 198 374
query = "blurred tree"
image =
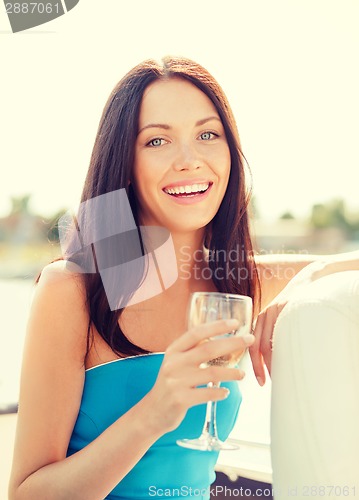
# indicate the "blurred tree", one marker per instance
pixel 320 217
pixel 20 204
pixel 335 214
pixel 287 216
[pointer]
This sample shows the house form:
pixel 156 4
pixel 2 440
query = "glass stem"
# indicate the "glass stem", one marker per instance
pixel 210 424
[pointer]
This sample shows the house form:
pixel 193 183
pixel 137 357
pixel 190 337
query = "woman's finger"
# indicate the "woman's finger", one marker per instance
pixel 202 332
pixel 268 330
pixel 266 337
pixel 196 377
pixel 203 395
pixel 255 352
pixel 231 348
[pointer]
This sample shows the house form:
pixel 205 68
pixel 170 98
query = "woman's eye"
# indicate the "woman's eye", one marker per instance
pixel 207 136
pixel 154 143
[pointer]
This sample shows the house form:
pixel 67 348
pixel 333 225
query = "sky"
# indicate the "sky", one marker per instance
pixel 288 67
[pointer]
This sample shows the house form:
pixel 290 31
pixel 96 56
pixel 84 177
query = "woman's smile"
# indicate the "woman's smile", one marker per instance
pixel 187 192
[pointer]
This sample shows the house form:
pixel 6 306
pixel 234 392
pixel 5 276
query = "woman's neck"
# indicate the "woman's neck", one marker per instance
pixel 192 262
pixel 180 257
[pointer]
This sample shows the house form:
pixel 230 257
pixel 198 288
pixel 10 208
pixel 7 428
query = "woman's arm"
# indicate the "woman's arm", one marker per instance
pixel 338 263
pixel 51 389
pixel 277 270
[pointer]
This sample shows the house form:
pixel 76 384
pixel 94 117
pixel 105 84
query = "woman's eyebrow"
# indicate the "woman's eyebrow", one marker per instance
pixel 205 120
pixel 168 127
pixel 155 125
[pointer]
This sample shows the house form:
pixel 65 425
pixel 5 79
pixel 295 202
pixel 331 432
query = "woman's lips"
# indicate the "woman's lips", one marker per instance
pixel 189 198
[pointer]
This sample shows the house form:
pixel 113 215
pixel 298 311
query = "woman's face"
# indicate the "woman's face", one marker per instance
pixel 182 159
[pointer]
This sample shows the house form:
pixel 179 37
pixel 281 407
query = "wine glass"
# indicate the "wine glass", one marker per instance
pixel 205 307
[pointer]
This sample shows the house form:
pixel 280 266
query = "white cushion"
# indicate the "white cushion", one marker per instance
pixel 315 392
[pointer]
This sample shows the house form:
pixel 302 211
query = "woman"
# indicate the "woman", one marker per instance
pixel 91 424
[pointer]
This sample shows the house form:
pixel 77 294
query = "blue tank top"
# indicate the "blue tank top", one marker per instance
pixel 166 469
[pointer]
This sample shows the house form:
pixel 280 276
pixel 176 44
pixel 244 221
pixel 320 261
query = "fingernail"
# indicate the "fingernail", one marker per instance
pixel 248 339
pixel 226 392
pixel 232 323
pixel 260 381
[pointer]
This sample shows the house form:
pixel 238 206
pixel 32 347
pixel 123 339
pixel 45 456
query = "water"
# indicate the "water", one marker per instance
pixel 15 300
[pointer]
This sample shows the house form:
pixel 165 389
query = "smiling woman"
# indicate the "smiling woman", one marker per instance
pixel 106 392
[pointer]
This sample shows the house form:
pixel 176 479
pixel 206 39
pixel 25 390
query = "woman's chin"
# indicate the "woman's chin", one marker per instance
pixel 187 227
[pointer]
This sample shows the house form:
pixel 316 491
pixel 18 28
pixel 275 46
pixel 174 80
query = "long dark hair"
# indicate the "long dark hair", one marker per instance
pixel 111 169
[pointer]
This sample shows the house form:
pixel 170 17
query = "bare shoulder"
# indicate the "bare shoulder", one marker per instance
pixel 63 273
pixel 59 302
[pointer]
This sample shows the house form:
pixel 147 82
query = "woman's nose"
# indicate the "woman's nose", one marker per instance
pixel 187 159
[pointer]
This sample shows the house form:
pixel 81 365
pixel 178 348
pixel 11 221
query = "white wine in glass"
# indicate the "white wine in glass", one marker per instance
pixel 206 307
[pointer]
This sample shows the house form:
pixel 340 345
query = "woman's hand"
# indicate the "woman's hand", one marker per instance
pixel 176 388
pixel 261 350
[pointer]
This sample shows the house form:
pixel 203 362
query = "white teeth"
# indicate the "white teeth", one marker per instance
pixel 194 188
